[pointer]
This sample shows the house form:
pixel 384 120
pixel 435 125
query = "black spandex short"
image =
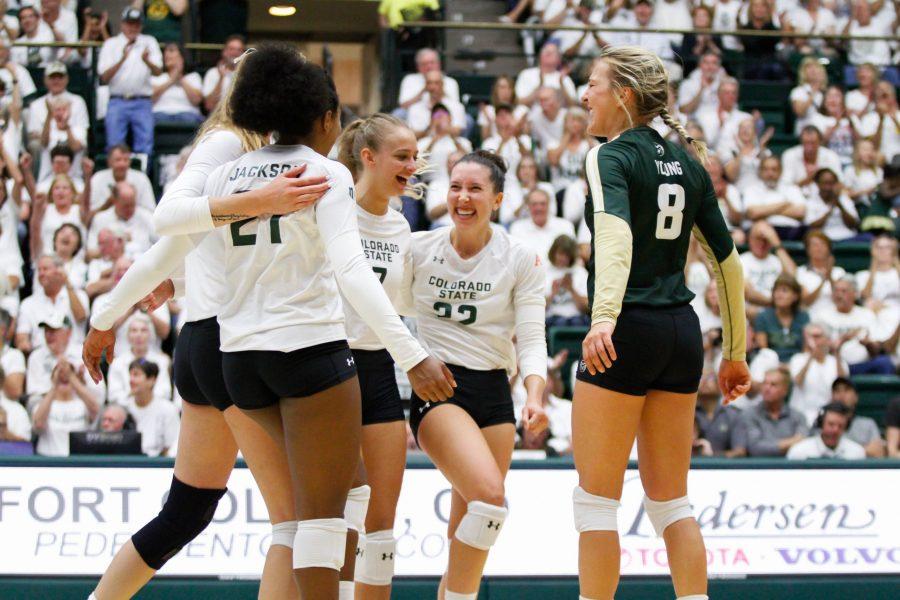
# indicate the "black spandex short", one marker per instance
pixel 198 365
pixel 381 401
pixel 485 395
pixel 260 378
pixel 657 349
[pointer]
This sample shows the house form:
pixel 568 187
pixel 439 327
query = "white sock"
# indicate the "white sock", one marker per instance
pixel 92 596
pixel 448 595
pixel 345 590
pixel 694 597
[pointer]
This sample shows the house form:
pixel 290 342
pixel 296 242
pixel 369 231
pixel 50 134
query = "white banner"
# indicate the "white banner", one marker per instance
pixel 70 521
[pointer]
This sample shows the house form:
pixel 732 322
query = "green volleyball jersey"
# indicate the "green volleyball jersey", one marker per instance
pixel 662 194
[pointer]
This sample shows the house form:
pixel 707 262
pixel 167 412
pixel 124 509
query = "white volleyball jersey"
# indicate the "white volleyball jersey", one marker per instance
pixel 386 243
pixel 281 290
pixel 467 310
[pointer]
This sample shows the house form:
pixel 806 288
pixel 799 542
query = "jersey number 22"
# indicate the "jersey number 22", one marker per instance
pixel 670 198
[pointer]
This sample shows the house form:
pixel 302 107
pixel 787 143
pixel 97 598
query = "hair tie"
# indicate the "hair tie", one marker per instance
pixel 244 55
pixel 689 139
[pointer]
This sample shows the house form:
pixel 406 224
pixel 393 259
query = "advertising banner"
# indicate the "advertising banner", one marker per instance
pixel 70 521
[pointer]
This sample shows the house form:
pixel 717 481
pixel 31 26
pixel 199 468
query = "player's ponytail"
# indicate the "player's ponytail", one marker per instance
pixel 370 133
pixel 494 163
pixel 698 145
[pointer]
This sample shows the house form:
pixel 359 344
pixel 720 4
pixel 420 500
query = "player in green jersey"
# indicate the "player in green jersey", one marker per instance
pixel 643 357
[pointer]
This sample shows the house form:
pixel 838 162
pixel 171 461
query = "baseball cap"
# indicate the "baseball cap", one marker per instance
pixel 132 14
pixel 56 68
pixel 56 320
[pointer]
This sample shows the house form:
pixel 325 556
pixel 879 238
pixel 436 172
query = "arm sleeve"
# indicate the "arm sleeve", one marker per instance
pixel 712 233
pixel 336 217
pixel 404 300
pixel 151 268
pixel 530 304
pixel 613 242
pixel 184 208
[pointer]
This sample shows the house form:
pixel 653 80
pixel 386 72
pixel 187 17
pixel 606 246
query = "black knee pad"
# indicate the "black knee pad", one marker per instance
pixel 186 513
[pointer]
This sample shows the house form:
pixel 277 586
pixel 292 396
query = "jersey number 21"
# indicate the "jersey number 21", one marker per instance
pixel 670 198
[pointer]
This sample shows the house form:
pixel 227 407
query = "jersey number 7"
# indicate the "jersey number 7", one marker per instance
pixel 249 239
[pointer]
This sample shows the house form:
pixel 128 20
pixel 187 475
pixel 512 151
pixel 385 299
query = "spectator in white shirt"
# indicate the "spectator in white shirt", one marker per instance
pixel 412 86
pixel 861 101
pixel 566 289
pixel 514 207
pixel 60 130
pixel 879 285
pixel 855 330
pixel 61 164
pixel 830 209
pixel 9 24
pixel 63 24
pixel 700 89
pixel 761 267
pixel 779 203
pixel 809 94
pixel 743 152
pixel 67 245
pixel 111 244
pixel 800 163
pixel 659 43
pixel 831 441
pixel 15 426
pixel 814 370
pixel 421 113
pixel 156 418
pixel 33 30
pixel 217 80
pixel 720 124
pixel 567 159
pixel 875 52
pixel 840 128
pixel 441 141
pixel 62 400
pixel 12 361
pixel 436 196
pixel 10 71
pixel 862 430
pixel 176 95
pixel 547 74
pixel 139 336
pixel 136 221
pixel 888 132
pixel 506 143
pixel 819 272
pixel 127 62
pixel 503 92
pixel 54 294
pixel 863 176
pixel 546 121
pixel 56 80
pixel 59 206
pixel 810 17
pixel 539 231
pixel 104 181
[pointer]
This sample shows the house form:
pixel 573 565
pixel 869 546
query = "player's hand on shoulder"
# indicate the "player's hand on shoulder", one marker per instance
pixel 734 380
pixel 289 192
pixel 431 380
pixel 597 350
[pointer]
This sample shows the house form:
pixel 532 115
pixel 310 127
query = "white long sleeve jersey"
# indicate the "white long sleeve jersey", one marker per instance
pixel 386 242
pixel 282 272
pixel 468 310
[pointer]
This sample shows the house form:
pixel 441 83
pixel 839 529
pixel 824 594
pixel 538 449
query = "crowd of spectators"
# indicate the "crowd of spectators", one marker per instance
pixel 72 221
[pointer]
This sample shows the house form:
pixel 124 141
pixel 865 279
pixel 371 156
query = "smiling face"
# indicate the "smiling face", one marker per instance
pixel 394 163
pixel 65 242
pixel 472 197
pixel 62 194
pixel 600 100
pixel 834 425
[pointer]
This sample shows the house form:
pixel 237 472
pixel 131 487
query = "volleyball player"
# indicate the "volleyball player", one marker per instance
pixel 382 155
pixel 284 347
pixel 643 357
pixel 473 289
pixel 212 429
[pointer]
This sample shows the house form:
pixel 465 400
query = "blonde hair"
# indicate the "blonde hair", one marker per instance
pixel 220 118
pixel 370 133
pixel 806 62
pixel 61 177
pixel 643 72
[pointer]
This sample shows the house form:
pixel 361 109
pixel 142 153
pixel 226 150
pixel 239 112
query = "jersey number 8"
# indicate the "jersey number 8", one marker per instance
pixel 671 211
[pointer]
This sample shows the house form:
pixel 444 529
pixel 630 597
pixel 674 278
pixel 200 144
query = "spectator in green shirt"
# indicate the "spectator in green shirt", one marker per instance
pixel 162 18
pixel 780 327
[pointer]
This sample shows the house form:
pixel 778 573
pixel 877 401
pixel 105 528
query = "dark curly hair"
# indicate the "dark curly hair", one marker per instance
pixel 279 90
pixel 494 163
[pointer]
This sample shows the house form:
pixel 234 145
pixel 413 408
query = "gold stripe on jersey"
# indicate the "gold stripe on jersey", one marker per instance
pixel 612 266
pixel 730 284
pixel 592 170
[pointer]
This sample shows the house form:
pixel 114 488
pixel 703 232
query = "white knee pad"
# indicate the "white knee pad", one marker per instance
pixel 376 565
pixel 694 597
pixel 594 513
pixel 448 595
pixel 320 543
pixel 92 596
pixel 663 514
pixel 481 525
pixel 356 507
pixel 283 533
pixel 346 590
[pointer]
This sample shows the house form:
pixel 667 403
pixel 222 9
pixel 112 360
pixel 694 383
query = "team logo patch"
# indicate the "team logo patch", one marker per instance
pixel 582 367
pixel 350 362
pixel 659 149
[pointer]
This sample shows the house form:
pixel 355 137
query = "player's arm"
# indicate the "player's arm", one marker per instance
pixel 531 337
pixel 712 233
